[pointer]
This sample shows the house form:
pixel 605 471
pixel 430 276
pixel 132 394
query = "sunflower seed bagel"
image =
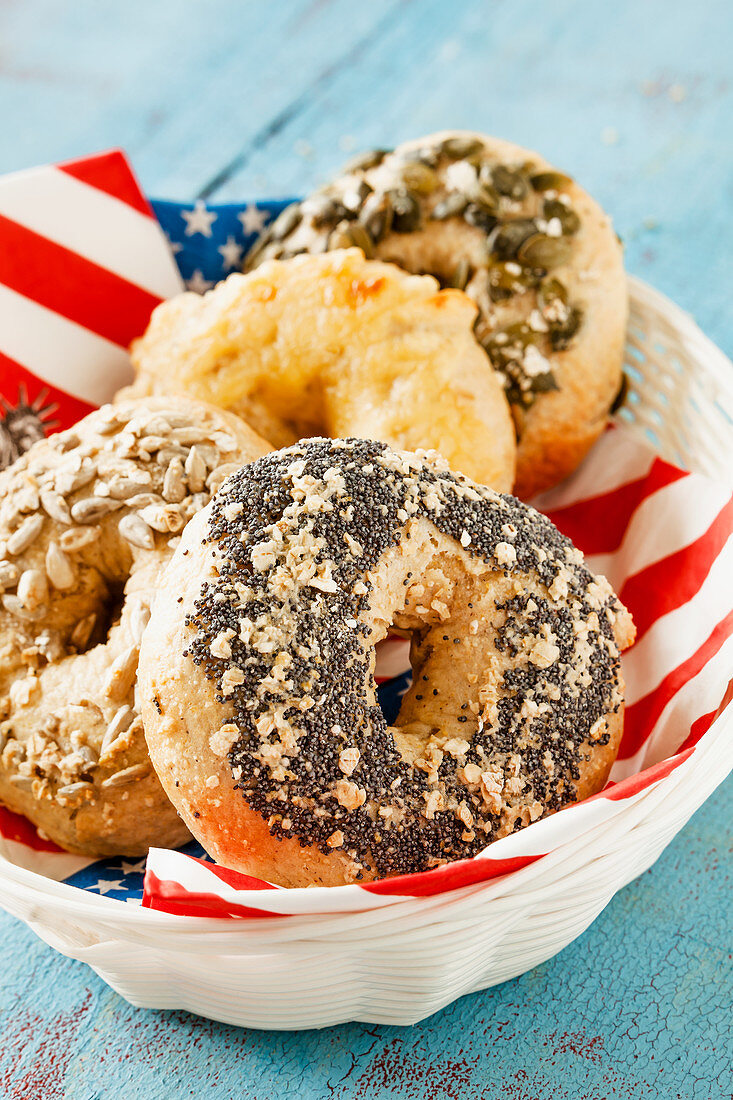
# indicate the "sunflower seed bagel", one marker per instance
pixel 257 668
pixel 88 519
pixel 341 346
pixel 532 248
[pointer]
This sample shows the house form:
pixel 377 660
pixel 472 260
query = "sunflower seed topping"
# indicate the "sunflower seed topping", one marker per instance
pixel 16 606
pixel 55 506
pixel 122 488
pixel 167 519
pixel 196 470
pixel 70 480
pixel 77 538
pixel 139 619
pixel 121 674
pixel 24 535
pixel 135 530
pixel 127 775
pixel 32 589
pixel 120 724
pixel 92 509
pixel 9 574
pixel 58 567
pixel 82 632
pixel 174 482
pixel 72 790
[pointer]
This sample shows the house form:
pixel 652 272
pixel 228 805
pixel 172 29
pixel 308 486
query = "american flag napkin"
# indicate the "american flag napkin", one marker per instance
pixel 83 262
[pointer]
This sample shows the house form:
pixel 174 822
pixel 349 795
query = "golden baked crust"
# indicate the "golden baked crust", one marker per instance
pixel 336 345
pixel 529 245
pixel 257 669
pixel 88 520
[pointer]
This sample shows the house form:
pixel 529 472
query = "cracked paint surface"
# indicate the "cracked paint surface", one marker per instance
pixel 639 1006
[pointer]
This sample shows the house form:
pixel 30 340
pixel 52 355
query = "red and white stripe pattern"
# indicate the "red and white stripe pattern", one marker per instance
pixel 83 262
pixel 664 538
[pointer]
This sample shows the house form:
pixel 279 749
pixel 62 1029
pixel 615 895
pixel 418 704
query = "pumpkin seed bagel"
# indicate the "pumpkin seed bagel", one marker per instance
pixel 88 520
pixel 257 668
pixel 529 245
pixel 341 346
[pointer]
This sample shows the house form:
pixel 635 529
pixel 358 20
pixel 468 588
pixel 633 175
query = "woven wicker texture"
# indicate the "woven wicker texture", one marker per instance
pixel 680 386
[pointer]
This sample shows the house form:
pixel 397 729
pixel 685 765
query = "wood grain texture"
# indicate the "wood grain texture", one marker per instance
pixel 231 100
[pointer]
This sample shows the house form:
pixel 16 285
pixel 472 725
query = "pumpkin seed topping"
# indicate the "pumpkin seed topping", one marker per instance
pixel 508 279
pixel 324 210
pixel 460 275
pixel 362 162
pixel 353 198
pixel 361 239
pixel 376 216
pixel 509 182
pixel 420 178
pixel 286 221
pixel 351 235
pixel 405 211
pixel 506 239
pixel 551 292
pixel 479 216
pixel 556 208
pixel 486 195
pixel 451 206
pixel 550 181
pixel 458 148
pixel 539 250
pixel 562 333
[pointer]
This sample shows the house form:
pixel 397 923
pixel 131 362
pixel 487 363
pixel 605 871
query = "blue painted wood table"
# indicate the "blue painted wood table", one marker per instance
pixel 226 100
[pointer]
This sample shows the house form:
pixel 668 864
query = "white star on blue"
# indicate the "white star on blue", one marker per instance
pixel 120 878
pixel 222 235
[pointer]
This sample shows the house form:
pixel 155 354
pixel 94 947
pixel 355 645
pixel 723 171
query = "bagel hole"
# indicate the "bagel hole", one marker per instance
pixel 111 611
pixel 451 657
pixel 410 737
pixel 107 612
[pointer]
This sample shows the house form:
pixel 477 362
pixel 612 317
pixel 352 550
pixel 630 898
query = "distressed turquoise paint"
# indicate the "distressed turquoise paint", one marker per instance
pixel 217 98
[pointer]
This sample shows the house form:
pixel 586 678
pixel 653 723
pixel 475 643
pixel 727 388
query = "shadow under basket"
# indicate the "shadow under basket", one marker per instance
pixel 399 963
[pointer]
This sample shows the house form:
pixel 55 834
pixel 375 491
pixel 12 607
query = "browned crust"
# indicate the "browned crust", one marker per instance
pixel 338 345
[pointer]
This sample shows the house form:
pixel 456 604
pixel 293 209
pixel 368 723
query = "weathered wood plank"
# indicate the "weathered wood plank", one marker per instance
pixel 636 105
pixel 182 86
pixel 246 99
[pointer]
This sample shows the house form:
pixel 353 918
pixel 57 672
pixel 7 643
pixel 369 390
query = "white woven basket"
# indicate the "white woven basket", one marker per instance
pixel 399 964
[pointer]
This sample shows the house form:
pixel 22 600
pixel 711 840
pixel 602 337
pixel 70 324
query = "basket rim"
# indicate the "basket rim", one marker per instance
pixel 711 358
pixel 75 902
pixel 120 918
